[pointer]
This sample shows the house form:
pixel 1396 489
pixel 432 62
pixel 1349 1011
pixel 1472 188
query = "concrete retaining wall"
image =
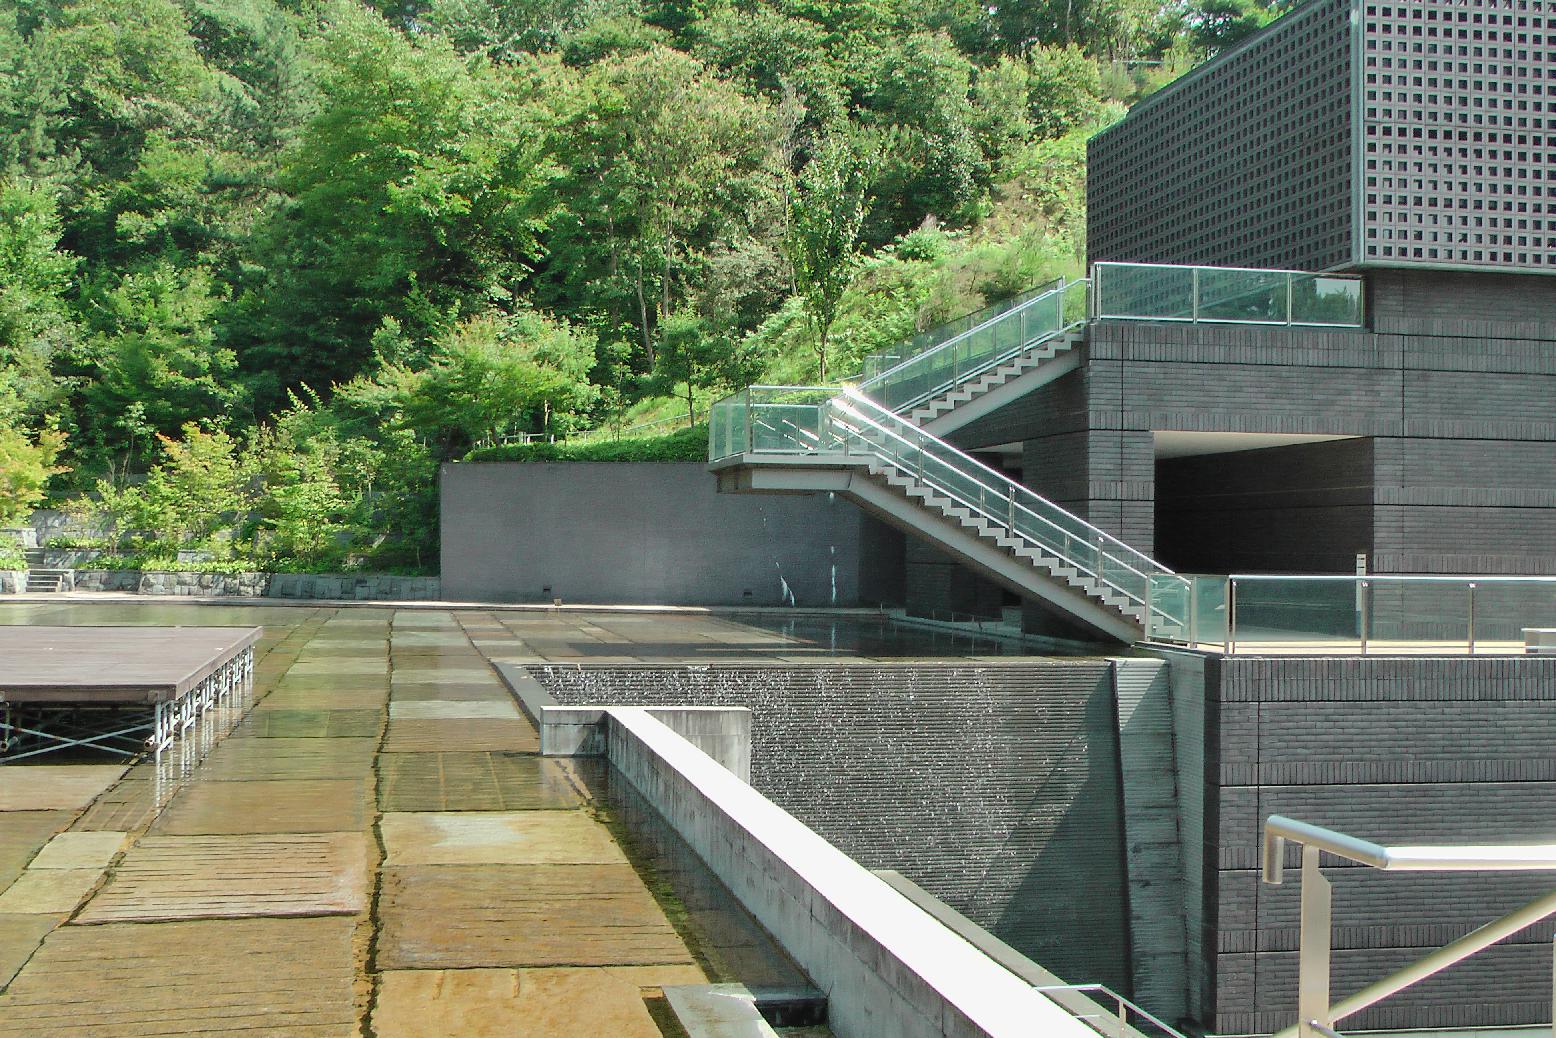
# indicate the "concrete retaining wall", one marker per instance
pixel 654 533
pixel 995 786
pixel 886 966
pixel 12 582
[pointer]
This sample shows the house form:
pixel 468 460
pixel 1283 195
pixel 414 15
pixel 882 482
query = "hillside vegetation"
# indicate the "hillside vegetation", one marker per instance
pixel 264 264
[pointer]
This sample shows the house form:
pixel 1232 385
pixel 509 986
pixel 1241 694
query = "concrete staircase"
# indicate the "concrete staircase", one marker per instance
pixel 46 578
pixel 929 489
pixel 985 392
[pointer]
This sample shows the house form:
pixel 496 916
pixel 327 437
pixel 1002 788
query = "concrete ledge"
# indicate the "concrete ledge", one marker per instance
pixel 1540 641
pixel 886 966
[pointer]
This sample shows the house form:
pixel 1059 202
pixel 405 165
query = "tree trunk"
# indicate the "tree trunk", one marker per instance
pixel 648 342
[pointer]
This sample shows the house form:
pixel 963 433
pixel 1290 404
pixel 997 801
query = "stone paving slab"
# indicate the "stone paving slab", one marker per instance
pixel 454 735
pixel 276 978
pixel 535 1003
pixel 247 760
pixel 20 936
pixel 192 877
pixel 299 682
pixel 459 916
pixel 456 709
pixel 477 782
pixel 451 691
pixel 80 850
pixel 22 833
pixel 132 803
pixel 312 724
pixel 54 787
pixel 233 808
pixel 333 667
pixel 48 891
pixel 292 698
pixel 497 838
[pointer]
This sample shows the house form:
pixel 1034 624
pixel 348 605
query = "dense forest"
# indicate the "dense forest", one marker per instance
pixel 264 264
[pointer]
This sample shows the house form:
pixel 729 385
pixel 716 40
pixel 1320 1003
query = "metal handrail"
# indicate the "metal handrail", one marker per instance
pixel 1124 1008
pixel 995 312
pixel 1061 327
pixel 1009 489
pixel 1316 1017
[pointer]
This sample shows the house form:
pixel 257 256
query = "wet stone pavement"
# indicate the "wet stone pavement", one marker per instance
pixel 370 846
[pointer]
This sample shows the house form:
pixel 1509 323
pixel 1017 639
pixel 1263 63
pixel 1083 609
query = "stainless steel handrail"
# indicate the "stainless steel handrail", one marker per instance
pixel 1061 327
pixel 1124 1007
pixel 1316 1016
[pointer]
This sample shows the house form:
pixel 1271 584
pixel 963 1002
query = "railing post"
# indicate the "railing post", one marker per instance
pixel 1290 297
pixel 1366 613
pixel 1193 613
pixel 1313 948
pixel 1194 303
pixel 1470 635
pixel 1231 616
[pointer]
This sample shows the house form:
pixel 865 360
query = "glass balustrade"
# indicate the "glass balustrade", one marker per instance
pixel 1385 615
pixel 1233 295
pixel 900 380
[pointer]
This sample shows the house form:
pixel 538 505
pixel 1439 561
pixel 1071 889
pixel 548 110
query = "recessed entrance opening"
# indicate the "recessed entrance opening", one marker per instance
pixel 1262 502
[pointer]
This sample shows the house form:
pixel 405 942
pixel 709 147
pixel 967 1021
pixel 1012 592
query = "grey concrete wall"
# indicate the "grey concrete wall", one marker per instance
pixel 887 967
pixel 996 787
pixel 1396 751
pixel 645 533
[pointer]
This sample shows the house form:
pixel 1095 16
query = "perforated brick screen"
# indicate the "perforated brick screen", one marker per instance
pixel 1457 152
pixel 1253 160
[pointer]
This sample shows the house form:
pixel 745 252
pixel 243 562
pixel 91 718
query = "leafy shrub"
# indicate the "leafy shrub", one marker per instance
pixel 11 557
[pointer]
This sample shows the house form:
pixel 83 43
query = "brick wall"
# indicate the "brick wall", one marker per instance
pixel 1396 751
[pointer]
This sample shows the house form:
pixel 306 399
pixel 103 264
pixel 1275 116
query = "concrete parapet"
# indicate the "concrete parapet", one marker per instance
pixel 886 966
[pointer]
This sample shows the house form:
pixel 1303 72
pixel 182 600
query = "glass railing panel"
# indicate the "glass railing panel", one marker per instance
pixel 727 429
pixel 1208 619
pixel 786 419
pixel 1157 292
pixel 1167 619
pixel 1504 609
pixel 1296 611
pixel 1324 299
pixel 918 374
pixel 1419 612
pixel 1243 296
pixel 1143 291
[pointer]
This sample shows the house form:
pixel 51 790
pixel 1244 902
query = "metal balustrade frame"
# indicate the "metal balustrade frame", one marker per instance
pixel 1316 1014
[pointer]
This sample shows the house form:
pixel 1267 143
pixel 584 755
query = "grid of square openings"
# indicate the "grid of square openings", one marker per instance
pixel 1458 130
pixel 1247 162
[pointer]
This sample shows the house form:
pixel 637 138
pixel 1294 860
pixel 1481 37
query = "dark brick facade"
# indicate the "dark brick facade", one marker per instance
pixel 1349 134
pixel 1392 750
pixel 1449 396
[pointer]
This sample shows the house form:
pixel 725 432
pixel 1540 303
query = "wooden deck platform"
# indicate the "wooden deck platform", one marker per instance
pixel 113 665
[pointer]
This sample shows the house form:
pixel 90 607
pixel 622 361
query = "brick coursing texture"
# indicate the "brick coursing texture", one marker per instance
pixel 1392 750
pixel 995 787
pixel 1451 395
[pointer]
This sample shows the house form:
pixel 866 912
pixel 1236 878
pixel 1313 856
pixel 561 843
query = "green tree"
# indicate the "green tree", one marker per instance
pixel 193 491
pixel 416 196
pixel 826 211
pixel 35 277
pixel 663 160
pixel 27 463
pixel 492 375
pixel 153 364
